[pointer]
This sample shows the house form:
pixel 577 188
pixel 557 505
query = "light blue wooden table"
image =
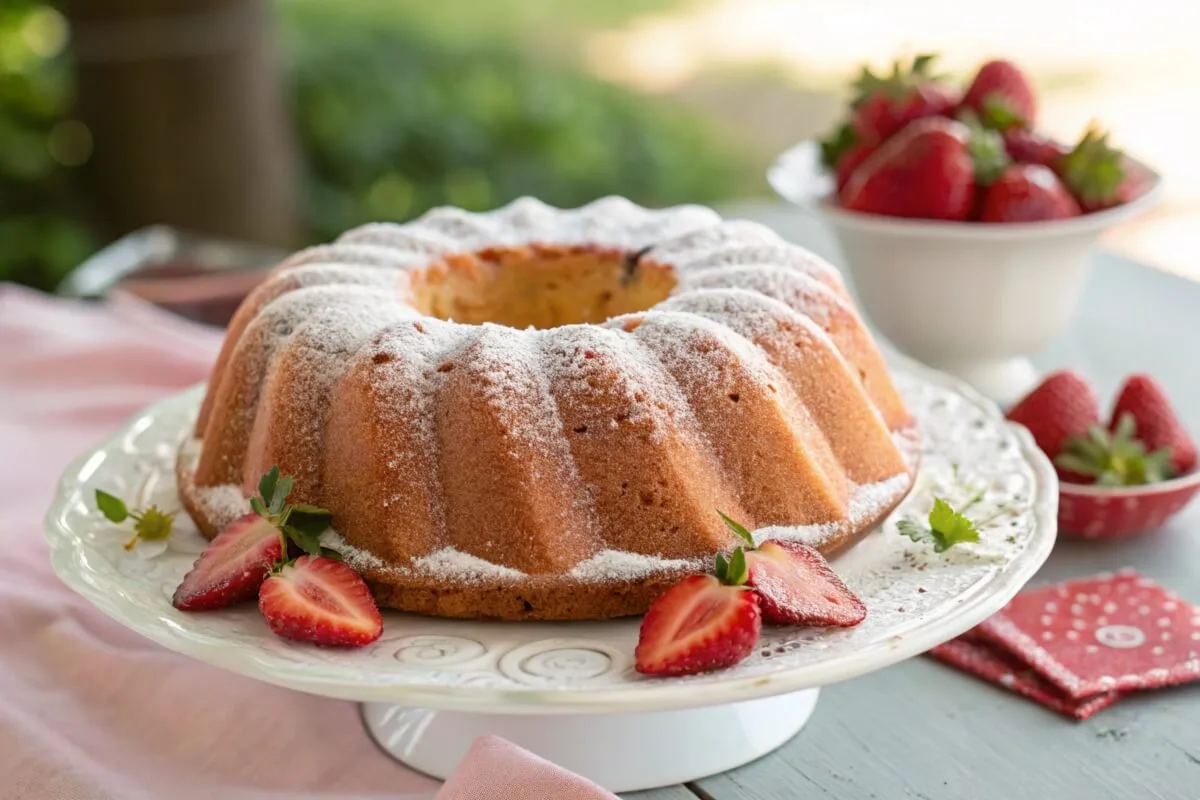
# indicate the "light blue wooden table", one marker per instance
pixel 923 730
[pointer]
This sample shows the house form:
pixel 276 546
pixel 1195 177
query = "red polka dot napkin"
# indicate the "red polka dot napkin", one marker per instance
pixel 1077 646
pixel 984 661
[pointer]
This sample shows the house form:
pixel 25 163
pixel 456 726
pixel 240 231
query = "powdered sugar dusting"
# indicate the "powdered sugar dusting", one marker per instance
pixel 760 253
pixel 345 303
pixel 448 564
pixel 797 290
pixel 612 566
pixel 222 504
pixel 453 565
pixel 867 502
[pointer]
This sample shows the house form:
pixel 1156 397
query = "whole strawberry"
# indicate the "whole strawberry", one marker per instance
pixel 1061 406
pixel 1027 193
pixel 928 170
pixel 1028 147
pixel 850 161
pixel 841 153
pixel 1002 95
pixel 1101 176
pixel 883 105
pixel 1157 425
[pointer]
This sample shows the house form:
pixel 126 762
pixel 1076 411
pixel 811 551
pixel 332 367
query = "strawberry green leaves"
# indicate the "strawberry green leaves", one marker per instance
pixel 300 523
pixel 151 524
pixel 1118 458
pixel 732 572
pixel 739 529
pixel 946 528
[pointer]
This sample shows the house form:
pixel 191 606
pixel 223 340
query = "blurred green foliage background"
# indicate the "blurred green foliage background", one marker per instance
pixel 399 106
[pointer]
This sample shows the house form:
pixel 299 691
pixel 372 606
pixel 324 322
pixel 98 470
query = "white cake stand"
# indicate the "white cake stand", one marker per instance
pixel 567 691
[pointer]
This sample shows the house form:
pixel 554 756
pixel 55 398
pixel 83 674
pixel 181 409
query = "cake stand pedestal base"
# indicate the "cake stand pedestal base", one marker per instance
pixel 621 752
pixel 1003 380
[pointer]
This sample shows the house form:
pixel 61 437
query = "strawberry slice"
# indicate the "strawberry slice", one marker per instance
pixel 699 624
pixel 796 586
pixel 232 567
pixel 320 600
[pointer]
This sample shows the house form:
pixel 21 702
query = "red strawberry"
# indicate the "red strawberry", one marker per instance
pixel 841 153
pixel 1002 95
pixel 699 624
pixel 928 170
pixel 850 161
pixel 1158 426
pixel 1062 405
pixel 1027 193
pixel 317 599
pixel 884 105
pixel 1027 147
pixel 796 586
pixel 1099 175
pixel 232 567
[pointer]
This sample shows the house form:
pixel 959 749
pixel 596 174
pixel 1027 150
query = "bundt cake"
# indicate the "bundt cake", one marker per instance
pixel 536 413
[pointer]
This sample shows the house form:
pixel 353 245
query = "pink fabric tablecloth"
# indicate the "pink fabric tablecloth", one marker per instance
pixel 90 711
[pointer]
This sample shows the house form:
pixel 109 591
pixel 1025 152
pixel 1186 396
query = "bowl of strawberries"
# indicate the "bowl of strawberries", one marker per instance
pixel 1120 475
pixel 967 231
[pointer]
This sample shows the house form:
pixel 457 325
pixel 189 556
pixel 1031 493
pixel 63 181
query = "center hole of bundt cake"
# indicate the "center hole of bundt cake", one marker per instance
pixel 541 286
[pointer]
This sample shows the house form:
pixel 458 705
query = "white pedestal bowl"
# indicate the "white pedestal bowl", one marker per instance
pixel 974 300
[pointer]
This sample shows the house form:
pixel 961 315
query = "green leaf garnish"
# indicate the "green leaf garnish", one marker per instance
pixel 946 528
pixel 308 523
pixel 282 490
pixel 738 528
pixel 305 508
pixel 306 541
pixel 722 567
pixel 329 552
pixel 732 571
pixel 113 508
pixel 737 573
pixel 300 523
pixel 266 486
pixel 257 507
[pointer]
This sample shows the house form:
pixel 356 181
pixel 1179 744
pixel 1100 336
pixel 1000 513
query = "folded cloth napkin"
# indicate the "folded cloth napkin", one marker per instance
pixel 92 711
pixel 509 772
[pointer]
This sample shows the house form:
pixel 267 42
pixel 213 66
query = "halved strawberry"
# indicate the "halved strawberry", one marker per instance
pixel 232 567
pixel 320 600
pixel 796 586
pixel 701 623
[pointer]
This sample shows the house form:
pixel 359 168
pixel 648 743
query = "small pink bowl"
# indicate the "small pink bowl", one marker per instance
pixel 1094 512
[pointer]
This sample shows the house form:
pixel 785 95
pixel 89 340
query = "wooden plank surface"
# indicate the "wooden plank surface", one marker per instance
pixel 923 730
pixel 672 793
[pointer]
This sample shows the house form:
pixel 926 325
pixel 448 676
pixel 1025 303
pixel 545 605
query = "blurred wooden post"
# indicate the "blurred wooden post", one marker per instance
pixel 187 115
